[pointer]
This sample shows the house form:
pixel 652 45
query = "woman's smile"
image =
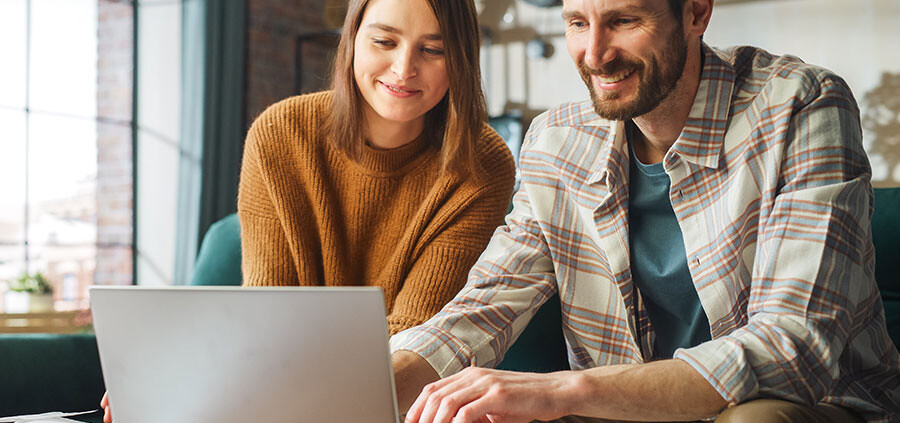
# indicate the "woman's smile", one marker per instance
pixel 399 91
pixel 399 65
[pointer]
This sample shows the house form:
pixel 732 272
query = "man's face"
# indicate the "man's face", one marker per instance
pixel 630 53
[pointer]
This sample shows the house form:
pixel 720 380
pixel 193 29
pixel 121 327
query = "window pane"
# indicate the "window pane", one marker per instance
pixel 12 264
pixel 159 69
pixel 62 163
pixel 12 177
pixel 62 226
pixel 69 268
pixel 64 56
pixel 157 202
pixel 12 53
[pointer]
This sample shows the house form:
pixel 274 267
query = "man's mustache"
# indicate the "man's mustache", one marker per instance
pixel 610 68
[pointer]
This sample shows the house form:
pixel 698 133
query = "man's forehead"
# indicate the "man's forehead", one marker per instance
pixel 605 6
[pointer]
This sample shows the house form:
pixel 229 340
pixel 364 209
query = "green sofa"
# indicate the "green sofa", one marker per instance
pixel 44 372
pixel 62 372
pixel 886 236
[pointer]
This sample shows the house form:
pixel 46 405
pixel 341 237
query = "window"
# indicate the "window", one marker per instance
pixel 65 152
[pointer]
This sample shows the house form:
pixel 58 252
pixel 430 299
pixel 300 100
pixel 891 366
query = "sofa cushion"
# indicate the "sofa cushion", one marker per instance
pixel 886 236
pixel 219 259
pixel 49 372
pixel 541 347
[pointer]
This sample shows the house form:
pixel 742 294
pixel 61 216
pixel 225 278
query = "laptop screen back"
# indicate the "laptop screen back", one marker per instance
pixel 230 355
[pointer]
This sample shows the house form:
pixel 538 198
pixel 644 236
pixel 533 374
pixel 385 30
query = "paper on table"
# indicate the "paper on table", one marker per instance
pixel 53 417
pixel 52 420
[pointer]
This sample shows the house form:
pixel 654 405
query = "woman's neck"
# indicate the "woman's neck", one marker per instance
pixel 387 135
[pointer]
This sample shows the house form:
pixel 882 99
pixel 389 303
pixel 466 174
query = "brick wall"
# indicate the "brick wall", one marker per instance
pixel 273 27
pixel 114 164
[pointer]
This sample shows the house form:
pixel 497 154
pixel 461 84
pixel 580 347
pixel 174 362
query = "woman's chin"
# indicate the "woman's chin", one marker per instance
pixel 392 117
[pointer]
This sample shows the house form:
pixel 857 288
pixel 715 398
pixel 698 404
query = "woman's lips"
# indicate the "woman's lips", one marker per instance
pixel 400 91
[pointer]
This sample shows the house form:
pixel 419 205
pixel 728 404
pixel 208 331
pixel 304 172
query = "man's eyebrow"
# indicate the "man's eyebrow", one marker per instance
pixel 569 14
pixel 393 30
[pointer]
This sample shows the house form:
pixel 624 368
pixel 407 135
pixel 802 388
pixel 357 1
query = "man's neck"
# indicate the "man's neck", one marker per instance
pixel 658 130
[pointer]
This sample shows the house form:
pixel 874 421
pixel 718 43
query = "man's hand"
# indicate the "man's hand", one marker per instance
pixel 488 395
pixel 411 374
pixel 104 403
pixel 667 390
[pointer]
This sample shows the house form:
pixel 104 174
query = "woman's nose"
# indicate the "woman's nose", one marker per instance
pixel 404 65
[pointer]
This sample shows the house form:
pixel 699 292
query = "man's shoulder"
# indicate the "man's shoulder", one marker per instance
pixel 783 77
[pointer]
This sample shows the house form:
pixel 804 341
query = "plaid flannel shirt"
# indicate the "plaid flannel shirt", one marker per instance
pixel 771 188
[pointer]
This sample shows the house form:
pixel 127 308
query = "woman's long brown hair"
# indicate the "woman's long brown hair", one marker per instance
pixel 457 119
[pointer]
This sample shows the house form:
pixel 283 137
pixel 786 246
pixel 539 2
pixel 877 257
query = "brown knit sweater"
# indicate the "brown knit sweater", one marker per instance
pixel 312 216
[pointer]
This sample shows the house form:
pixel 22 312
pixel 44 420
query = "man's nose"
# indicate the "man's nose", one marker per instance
pixel 599 49
pixel 404 65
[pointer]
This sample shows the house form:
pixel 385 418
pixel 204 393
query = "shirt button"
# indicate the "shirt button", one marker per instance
pixel 697 260
pixel 681 194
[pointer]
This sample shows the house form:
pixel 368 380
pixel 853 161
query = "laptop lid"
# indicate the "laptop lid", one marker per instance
pixel 237 355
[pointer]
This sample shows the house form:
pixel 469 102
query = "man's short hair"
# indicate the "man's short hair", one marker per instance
pixel 677 7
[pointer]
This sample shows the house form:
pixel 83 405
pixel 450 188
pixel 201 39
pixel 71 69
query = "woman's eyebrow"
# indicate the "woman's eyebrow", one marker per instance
pixel 393 30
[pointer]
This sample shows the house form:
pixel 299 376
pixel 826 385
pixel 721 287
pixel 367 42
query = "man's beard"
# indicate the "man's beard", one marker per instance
pixel 658 80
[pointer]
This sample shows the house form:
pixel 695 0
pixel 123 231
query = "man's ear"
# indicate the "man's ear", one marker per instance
pixel 696 16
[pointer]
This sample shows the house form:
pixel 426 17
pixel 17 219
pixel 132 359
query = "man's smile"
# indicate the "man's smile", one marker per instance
pixel 612 79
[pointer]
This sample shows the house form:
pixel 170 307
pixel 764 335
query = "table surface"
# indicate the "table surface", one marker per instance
pixel 72 321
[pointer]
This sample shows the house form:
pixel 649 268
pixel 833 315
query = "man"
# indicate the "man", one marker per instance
pixel 705 222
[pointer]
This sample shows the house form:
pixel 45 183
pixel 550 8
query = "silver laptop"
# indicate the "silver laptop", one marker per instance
pixel 237 355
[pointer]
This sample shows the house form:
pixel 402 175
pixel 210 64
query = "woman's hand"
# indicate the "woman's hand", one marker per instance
pixel 104 403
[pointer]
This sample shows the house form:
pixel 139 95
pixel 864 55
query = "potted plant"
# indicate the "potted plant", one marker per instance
pixel 30 293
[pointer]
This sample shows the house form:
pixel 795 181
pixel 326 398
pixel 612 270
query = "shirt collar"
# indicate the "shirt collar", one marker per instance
pixel 702 139
pixel 703 136
pixel 612 160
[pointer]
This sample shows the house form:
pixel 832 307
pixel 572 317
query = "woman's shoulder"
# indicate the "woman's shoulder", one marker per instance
pixel 296 118
pixel 299 110
pixel 492 151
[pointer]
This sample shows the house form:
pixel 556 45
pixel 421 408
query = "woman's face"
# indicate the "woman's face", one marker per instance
pixel 399 62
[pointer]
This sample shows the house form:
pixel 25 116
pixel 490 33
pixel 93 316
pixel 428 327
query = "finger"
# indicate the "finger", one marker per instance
pixel 493 409
pixel 414 414
pixel 480 408
pixel 443 403
pixel 483 419
pixel 452 402
pixel 107 417
pixel 104 401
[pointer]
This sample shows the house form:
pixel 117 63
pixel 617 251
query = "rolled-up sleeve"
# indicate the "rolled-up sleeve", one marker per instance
pixel 511 279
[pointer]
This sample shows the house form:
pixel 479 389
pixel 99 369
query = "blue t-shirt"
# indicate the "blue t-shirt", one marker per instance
pixel 659 264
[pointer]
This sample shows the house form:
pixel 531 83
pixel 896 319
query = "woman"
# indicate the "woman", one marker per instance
pixel 391 179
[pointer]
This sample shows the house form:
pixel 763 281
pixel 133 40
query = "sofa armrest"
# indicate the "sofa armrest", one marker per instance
pixel 49 372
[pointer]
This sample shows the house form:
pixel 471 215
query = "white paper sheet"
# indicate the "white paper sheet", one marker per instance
pixel 52 417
